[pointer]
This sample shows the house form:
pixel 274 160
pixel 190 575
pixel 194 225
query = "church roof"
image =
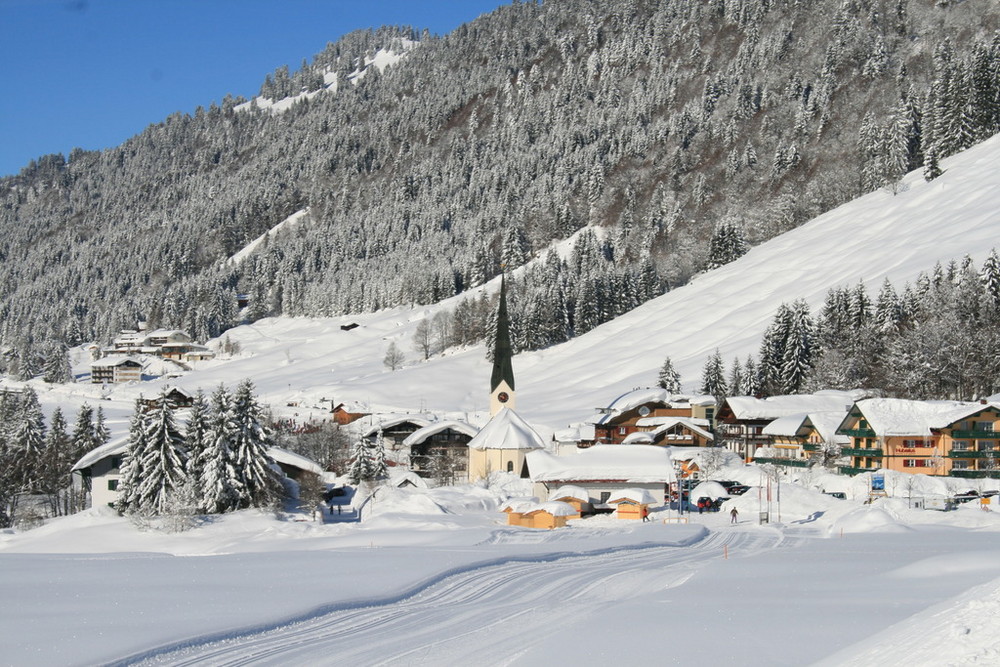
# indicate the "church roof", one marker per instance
pixel 506 430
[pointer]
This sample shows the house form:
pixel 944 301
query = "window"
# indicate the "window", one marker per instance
pixel 112 485
pixel 984 426
pixel 510 466
pixel 621 430
pixel 960 465
pixel 914 463
pixel 960 446
pixel 604 496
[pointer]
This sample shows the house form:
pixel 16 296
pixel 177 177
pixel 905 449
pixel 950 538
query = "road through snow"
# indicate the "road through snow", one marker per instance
pixel 484 615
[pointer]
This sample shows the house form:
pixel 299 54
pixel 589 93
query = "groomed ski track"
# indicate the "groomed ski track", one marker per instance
pixel 481 615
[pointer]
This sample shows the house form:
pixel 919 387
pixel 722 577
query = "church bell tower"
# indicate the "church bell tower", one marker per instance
pixel 502 381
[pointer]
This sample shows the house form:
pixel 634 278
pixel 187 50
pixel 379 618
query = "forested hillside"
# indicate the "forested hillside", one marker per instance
pixel 689 129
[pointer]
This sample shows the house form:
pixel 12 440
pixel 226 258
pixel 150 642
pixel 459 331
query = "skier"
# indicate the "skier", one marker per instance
pixel 734 514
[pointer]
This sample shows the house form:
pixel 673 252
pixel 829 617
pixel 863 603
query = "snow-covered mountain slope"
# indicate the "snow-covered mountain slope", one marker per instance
pixel 298 360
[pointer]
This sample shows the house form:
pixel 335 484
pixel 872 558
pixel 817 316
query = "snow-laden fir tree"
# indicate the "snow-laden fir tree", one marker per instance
pixel 380 469
pixel 56 463
pixel 84 436
pixel 163 459
pixel 102 434
pixel 197 437
pixel 220 484
pixel 669 378
pixel 28 442
pixel 361 469
pixel 713 378
pixel 132 473
pixel 260 483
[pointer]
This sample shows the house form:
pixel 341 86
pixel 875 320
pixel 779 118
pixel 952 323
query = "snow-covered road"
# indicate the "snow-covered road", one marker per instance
pixel 485 615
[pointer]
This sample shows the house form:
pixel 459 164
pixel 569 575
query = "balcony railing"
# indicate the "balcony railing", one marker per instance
pixel 975 473
pixel 809 447
pixel 984 435
pixel 778 461
pixel 854 470
pixel 858 432
pixel 969 454
pixel 860 451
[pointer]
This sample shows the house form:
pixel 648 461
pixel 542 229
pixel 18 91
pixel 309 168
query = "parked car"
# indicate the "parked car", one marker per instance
pixel 836 494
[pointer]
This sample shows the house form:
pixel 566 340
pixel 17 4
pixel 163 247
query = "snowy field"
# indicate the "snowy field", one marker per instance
pixel 436 578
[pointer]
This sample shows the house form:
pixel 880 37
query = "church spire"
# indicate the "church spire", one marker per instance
pixel 502 380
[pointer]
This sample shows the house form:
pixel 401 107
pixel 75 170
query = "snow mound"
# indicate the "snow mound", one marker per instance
pixel 869 520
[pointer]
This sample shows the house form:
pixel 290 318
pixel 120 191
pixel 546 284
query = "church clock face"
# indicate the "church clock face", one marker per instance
pixel 503 397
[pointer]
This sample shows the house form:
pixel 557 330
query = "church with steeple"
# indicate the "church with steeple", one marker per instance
pixel 500 446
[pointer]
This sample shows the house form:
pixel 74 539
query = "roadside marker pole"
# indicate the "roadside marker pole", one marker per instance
pixel 725 552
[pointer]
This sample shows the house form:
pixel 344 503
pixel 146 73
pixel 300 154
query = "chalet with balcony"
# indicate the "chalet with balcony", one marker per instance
pixel 620 419
pixel 930 437
pixel 395 428
pixel 740 422
pixel 115 370
pixel 799 439
pixel 440 451
pixel 673 432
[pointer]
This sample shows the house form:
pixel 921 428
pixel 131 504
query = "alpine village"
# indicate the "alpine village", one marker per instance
pixel 576 270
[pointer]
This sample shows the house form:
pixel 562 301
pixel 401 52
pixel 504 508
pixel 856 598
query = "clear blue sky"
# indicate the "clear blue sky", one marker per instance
pixel 91 73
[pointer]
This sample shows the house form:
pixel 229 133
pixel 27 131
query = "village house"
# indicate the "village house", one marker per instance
pixel 440 451
pixel 395 428
pixel 740 421
pixel 620 419
pixel 345 413
pixel 603 472
pixel 99 472
pixel 930 437
pixel 672 432
pixel 115 370
pixel 176 397
pixel 799 439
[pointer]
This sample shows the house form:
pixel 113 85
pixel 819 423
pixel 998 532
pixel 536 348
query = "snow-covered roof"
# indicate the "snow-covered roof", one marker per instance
pixel 827 423
pixel 638 496
pixel 699 426
pixel 385 422
pixel 422 434
pixel 519 504
pixel 295 460
pixel 399 477
pixel 789 425
pixel 570 491
pixel 645 395
pixel 553 507
pixel 576 433
pixel 506 430
pixel 622 463
pixel 114 448
pixel 638 438
pixel 773 407
pixel 898 416
pixel 111 362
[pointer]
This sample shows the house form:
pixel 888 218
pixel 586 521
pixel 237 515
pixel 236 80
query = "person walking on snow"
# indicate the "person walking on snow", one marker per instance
pixel 734 514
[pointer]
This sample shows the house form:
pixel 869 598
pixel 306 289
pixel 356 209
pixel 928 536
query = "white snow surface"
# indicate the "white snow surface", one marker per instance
pixel 433 576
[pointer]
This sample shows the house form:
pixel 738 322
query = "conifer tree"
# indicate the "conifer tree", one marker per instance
pixel 380 469
pixel 56 464
pixel 28 442
pixel 713 378
pixel 251 440
pixel 669 378
pixel 163 459
pixel 361 463
pixel 220 485
pixel 132 472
